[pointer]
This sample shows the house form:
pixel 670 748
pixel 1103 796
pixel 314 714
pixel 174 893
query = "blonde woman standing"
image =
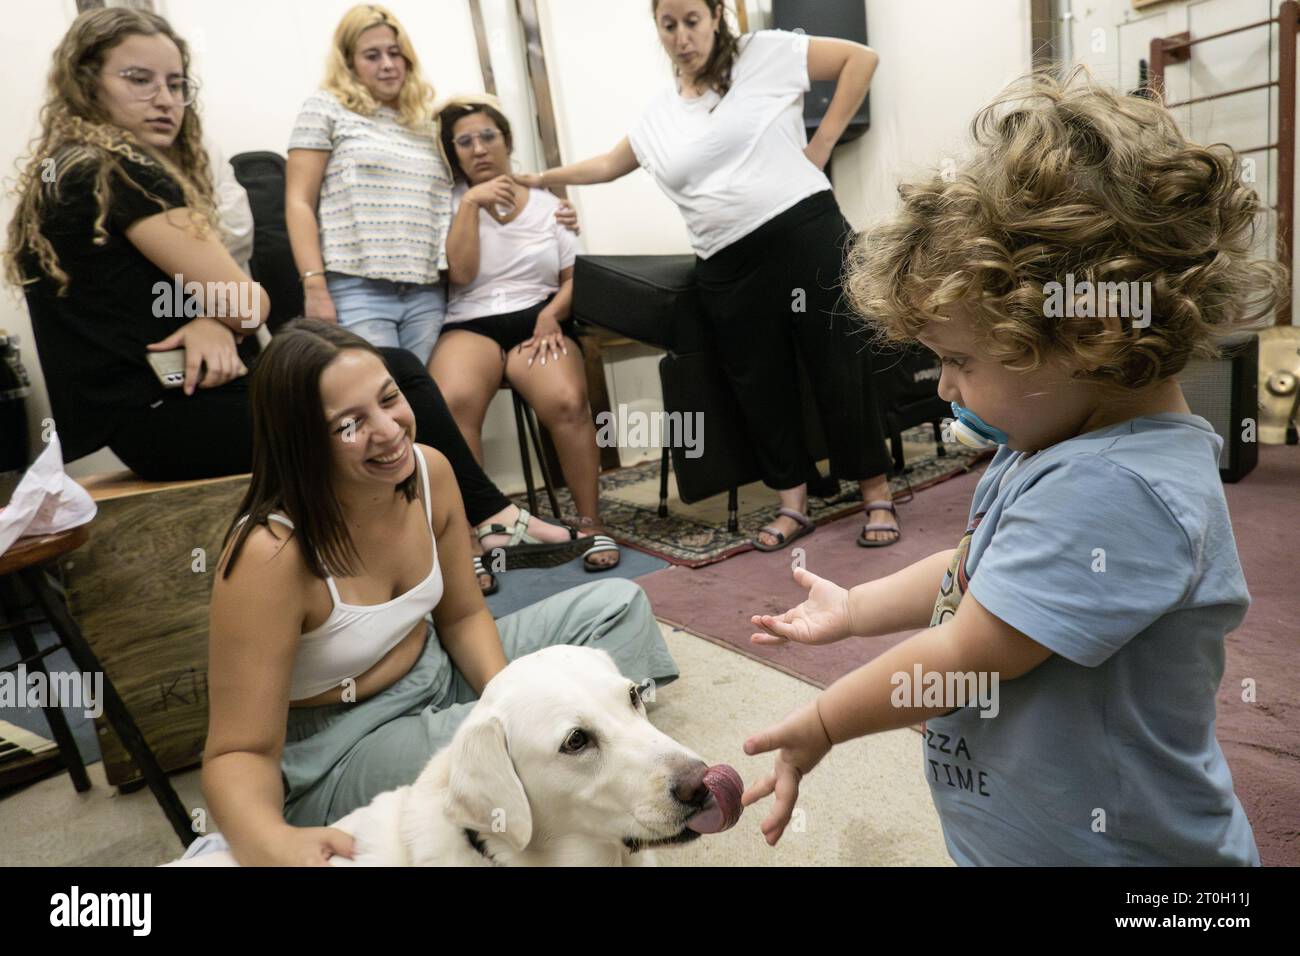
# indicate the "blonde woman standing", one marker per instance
pixel 368 194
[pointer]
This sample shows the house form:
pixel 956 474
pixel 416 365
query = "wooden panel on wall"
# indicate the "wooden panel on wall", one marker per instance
pixel 139 596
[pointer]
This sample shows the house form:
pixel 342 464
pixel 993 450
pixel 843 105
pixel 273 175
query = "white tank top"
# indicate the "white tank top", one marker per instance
pixel 356 636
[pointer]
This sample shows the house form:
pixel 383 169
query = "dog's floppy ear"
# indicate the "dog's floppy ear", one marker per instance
pixel 484 792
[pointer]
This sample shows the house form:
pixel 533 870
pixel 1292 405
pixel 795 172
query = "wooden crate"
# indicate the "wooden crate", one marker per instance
pixel 140 593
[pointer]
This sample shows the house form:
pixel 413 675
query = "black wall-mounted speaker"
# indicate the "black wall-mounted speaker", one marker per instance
pixel 1225 392
pixel 842 19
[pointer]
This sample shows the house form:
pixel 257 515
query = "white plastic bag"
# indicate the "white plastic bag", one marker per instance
pixel 46 501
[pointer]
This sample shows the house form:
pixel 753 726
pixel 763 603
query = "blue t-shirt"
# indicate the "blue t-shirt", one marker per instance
pixel 1113 550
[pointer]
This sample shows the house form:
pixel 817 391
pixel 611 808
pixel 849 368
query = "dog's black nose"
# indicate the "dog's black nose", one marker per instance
pixel 688 784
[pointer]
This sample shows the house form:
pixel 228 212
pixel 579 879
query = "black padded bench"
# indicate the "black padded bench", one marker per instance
pixel 653 300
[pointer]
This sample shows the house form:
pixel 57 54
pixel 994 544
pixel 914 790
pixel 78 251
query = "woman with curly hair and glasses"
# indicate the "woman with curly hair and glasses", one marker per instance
pixel 115 199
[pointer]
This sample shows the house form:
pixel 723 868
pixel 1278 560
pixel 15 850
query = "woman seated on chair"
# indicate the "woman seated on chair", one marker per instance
pixel 511 269
pixel 345 603
pixel 117 201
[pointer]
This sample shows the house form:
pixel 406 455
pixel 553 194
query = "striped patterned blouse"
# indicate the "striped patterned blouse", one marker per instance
pixel 385 201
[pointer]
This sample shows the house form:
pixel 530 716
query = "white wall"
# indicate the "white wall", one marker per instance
pixel 940 61
pixel 606 65
pixel 259 59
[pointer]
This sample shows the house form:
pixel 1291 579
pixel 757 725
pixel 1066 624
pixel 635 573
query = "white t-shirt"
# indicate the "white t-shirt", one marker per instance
pixel 742 165
pixel 519 263
pixel 385 201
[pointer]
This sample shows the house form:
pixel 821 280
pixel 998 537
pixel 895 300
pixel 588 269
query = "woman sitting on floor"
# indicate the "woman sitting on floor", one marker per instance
pixel 345 601
pixel 511 268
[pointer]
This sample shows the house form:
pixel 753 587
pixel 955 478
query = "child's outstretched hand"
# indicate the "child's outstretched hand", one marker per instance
pixel 800 741
pixel 822 619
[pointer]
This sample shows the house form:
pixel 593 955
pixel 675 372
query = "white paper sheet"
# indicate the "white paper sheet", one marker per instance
pixel 46 501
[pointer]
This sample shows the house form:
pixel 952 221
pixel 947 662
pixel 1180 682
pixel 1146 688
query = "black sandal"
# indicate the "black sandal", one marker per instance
pixel 480 571
pixel 600 543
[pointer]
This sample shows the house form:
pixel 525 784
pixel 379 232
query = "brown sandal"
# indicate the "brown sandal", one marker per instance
pixel 864 541
pixel 805 523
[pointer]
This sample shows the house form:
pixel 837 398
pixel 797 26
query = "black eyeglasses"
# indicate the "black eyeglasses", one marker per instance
pixel 145 85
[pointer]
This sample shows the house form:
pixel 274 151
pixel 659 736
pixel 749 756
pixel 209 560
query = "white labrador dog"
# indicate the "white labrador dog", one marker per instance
pixel 556 765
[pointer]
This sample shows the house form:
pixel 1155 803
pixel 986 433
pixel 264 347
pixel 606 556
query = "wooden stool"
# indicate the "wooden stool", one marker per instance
pixel 25 562
pixel 140 591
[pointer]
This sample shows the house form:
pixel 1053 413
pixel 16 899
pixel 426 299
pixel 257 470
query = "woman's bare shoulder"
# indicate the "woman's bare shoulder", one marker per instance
pixel 270 555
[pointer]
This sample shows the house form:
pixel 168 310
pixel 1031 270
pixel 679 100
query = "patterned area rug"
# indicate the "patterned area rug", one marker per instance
pixel 696 535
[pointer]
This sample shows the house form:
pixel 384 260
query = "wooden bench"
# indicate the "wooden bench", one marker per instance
pixel 140 590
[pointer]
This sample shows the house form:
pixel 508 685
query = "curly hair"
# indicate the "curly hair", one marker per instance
pixel 1069 177
pixel 76 132
pixel 414 102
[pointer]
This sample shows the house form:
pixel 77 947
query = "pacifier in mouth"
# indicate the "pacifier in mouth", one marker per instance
pixel 973 432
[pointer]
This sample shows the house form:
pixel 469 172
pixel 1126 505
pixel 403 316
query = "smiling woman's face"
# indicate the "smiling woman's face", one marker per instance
pixel 371 425
pixel 149 63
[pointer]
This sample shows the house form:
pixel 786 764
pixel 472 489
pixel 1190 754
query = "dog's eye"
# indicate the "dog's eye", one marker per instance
pixel 575 742
pixel 634 692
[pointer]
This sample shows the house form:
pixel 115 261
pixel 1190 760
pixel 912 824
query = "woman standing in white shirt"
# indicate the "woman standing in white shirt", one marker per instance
pixel 730 148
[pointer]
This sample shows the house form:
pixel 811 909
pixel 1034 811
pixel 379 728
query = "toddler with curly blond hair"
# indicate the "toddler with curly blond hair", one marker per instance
pixel 1073 641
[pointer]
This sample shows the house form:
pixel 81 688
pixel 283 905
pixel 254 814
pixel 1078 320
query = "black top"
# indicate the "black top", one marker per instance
pixel 91 340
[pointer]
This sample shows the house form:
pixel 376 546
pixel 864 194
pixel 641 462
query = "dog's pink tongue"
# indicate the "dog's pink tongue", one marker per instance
pixel 723 808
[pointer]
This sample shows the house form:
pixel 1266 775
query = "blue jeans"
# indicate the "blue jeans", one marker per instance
pixel 390 314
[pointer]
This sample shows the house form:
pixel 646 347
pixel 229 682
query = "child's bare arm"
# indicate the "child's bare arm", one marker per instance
pixel 862 703
pixel 900 601
pixel 972 641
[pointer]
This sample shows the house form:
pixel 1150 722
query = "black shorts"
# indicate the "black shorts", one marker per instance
pixel 512 328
